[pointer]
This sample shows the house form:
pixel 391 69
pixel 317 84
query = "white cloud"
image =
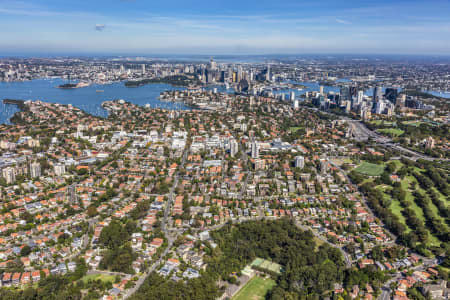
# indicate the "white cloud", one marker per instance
pixel 99 27
pixel 340 21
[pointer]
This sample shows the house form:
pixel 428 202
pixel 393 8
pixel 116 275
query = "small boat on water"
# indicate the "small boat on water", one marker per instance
pixel 99 91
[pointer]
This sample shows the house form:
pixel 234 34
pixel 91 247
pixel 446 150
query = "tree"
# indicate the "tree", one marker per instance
pixel 377 253
pixel 25 251
pixel 114 235
pixel 92 211
pixel 80 270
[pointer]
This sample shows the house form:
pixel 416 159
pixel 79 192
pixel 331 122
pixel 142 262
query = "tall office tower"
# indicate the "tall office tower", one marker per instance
pixel 380 106
pixel 122 69
pixel 243 86
pixel 9 174
pixel 212 64
pixel 391 95
pixel 233 147
pixel 357 100
pixel 389 109
pixel 230 73
pixel 35 170
pixel 292 96
pixel 143 68
pixel 255 150
pixel 211 77
pixel 348 106
pixel 235 76
pixel 360 96
pixel 401 101
pixel 366 114
pixel 353 91
pixel 240 74
pixel 321 90
pixel 268 73
pixel 344 95
pixel 59 169
pixel 299 162
pixel 377 94
pixel 205 75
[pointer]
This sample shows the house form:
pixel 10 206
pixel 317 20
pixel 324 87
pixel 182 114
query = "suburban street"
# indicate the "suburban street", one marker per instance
pixel 164 226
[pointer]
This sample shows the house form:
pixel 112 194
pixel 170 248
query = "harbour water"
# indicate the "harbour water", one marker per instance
pixel 310 87
pixel 88 98
pixel 445 95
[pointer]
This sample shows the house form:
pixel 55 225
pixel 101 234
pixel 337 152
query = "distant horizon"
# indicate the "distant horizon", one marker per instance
pixel 219 55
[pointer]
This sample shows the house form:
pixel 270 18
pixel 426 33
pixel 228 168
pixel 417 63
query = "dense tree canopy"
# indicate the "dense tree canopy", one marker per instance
pixel 115 238
pixel 309 270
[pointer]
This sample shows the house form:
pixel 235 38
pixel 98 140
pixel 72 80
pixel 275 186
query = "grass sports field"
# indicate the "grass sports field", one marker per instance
pixel 266 265
pixel 413 123
pixel 294 129
pixel 391 131
pixel 379 122
pixel 370 169
pixel 255 289
pixel 102 277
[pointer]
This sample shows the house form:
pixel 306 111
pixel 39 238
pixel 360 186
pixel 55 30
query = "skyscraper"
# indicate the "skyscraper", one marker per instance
pixel 401 101
pixel 353 91
pixel 348 106
pixel 268 73
pixel 212 64
pixel 391 95
pixel 377 94
pixel 255 150
pixel 344 95
pixel 360 96
pixel 35 170
pixel 380 107
pixel 292 96
pixel 358 100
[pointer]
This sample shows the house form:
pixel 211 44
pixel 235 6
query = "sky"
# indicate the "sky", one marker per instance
pixel 125 27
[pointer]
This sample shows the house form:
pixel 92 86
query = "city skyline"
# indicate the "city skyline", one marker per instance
pixel 181 150
pixel 250 27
